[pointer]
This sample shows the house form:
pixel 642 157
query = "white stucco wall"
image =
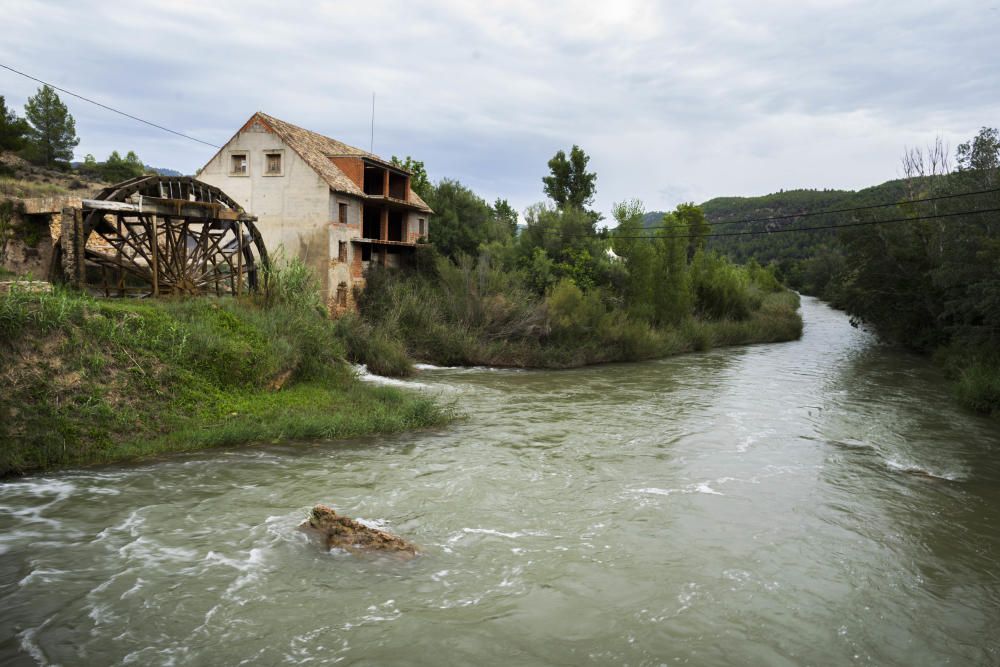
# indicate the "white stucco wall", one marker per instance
pixel 297 213
pixel 293 210
pixel 340 271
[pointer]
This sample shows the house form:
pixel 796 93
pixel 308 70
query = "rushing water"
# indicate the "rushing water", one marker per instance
pixel 817 502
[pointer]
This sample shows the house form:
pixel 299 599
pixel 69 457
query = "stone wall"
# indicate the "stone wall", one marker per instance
pixel 26 240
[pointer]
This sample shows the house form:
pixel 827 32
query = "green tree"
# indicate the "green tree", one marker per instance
pixel 570 185
pixel 694 219
pixel 569 238
pixel 90 166
pixel 980 153
pixel 505 215
pixel 674 298
pixel 639 256
pixel 52 137
pixel 116 168
pixel 419 182
pixel 13 130
pixel 462 219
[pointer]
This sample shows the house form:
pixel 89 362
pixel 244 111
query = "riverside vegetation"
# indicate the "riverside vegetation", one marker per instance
pixel 560 292
pixel 929 285
pixel 92 380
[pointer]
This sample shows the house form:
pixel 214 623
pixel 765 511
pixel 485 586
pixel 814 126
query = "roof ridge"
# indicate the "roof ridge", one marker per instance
pixel 269 117
pixel 317 150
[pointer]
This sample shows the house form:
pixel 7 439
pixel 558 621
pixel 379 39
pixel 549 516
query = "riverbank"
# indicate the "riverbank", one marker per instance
pixel 89 381
pixel 456 317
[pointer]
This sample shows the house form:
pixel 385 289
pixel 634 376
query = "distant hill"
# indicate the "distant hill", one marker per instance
pixel 766 248
pixel 163 171
pixel 804 259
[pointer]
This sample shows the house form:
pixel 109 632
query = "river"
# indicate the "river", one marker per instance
pixel 809 503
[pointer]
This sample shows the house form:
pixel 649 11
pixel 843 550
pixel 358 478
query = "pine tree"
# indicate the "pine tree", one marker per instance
pixel 52 136
pixel 12 129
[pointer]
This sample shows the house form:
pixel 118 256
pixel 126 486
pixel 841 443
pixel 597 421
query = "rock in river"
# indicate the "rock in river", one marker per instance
pixel 341 532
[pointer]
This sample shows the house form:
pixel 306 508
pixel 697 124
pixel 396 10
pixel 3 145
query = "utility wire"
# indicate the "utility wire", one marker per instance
pixel 810 214
pixel 611 231
pixel 854 208
pixel 756 232
pixel 105 106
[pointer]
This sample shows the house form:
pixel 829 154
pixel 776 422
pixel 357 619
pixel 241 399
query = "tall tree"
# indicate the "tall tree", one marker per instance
pixel 52 137
pixel 694 219
pixel 13 130
pixel 674 299
pixel 640 257
pixel 979 158
pixel 505 215
pixel 570 185
pixel 461 219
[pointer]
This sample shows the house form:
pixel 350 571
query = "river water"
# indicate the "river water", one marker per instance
pixel 817 502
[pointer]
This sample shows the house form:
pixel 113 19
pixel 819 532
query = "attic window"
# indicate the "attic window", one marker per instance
pixel 239 164
pixel 272 163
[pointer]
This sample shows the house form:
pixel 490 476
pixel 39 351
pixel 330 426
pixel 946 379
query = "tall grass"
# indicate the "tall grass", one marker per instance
pixel 471 313
pixel 87 380
pixel 975 370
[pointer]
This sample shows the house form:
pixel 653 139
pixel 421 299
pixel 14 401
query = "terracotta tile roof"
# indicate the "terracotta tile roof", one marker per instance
pixel 317 150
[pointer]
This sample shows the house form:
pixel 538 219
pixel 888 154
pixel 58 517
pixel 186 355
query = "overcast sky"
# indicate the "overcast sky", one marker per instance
pixel 673 101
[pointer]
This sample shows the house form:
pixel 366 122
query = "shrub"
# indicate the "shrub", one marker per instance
pixel 721 288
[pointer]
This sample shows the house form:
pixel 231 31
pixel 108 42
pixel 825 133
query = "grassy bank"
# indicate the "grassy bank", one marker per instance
pixel 91 381
pixel 471 314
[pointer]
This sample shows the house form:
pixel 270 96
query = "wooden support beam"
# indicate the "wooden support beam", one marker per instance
pixel 176 208
pixel 155 255
pixel 239 258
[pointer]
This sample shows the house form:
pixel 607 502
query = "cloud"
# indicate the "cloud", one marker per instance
pixel 672 102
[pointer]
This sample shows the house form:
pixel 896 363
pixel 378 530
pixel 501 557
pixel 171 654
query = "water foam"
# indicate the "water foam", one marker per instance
pixel 365 376
pixel 914 469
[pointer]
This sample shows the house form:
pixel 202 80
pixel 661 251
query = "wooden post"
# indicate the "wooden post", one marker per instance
pixel 155 250
pixel 74 245
pixel 118 256
pixel 239 257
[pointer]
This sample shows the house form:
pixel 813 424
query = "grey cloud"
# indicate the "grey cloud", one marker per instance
pixel 670 101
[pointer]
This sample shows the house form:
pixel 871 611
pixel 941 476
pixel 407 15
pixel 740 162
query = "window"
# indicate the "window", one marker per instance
pixel 272 164
pixel 342 213
pixel 342 252
pixel 420 227
pixel 342 295
pixel 238 165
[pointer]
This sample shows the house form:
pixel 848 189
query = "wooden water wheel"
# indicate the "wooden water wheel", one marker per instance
pixel 156 235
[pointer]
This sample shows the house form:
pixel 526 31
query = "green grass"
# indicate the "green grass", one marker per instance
pixel 86 381
pixel 975 372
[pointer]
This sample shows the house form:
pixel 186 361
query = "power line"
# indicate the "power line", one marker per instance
pixel 105 106
pixel 756 232
pixel 795 215
pixel 854 208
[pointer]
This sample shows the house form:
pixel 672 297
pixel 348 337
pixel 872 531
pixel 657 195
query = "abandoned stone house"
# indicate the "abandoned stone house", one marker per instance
pixel 335 207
